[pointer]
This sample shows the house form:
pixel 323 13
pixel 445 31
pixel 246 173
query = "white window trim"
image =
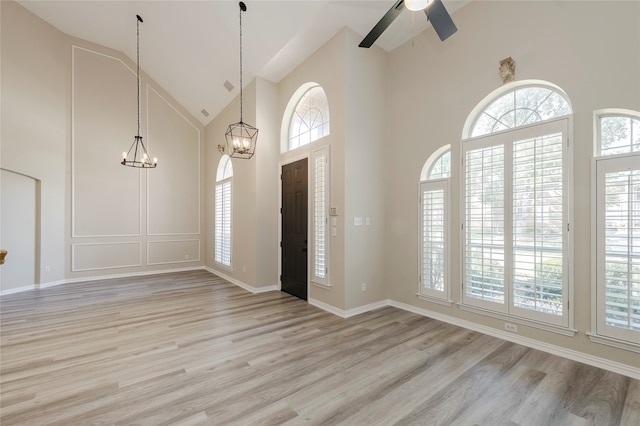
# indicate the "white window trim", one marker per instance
pixel 594 335
pixel 288 115
pixel 566 326
pixel 497 93
pixel 608 112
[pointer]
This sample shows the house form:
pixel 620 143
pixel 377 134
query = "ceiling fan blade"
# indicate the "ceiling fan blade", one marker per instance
pixel 382 25
pixel 441 20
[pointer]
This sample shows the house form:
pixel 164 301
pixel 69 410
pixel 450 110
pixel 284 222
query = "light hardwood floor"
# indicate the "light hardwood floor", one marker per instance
pixel 190 348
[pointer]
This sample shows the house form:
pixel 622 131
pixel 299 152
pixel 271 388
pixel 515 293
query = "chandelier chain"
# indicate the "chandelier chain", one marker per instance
pixel 138 67
pixel 241 65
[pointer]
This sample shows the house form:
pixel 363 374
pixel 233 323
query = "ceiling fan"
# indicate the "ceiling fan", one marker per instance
pixel 434 9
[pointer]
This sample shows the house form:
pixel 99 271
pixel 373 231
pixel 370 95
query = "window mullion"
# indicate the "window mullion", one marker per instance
pixel 508 224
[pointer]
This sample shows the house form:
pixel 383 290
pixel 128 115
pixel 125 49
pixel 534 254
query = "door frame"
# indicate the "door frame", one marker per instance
pixel 282 163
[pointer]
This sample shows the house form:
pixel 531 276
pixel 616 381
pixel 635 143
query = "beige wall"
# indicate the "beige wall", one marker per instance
pixel 35 124
pixel 589 49
pixel 365 172
pixel 68 113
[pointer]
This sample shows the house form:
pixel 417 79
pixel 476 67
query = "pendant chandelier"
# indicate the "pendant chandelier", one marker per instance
pixel 137 156
pixel 241 137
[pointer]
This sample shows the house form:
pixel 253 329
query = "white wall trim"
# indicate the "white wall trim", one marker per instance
pixel 616 343
pixel 73 256
pixel 48 284
pixel 592 360
pixel 326 307
pixel 149 243
pixel 249 288
pixel 16 290
pixel 349 312
pixel 97 278
pixel 366 308
pixel 74 233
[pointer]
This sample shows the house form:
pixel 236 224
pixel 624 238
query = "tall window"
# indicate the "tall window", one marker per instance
pixel 516 225
pixel 321 225
pixel 434 223
pixel 222 240
pixel 310 118
pixel 617 282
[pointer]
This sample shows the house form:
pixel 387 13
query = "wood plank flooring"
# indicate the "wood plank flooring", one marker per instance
pixel 192 349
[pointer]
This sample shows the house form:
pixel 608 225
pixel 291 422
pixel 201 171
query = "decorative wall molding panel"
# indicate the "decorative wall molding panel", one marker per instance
pixel 96 256
pixel 176 251
pixel 173 188
pixel 103 125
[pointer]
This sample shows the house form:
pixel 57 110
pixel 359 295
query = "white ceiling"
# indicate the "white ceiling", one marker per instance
pixel 192 47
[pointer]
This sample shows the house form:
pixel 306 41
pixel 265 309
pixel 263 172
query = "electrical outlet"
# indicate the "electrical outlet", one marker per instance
pixel 511 327
pixel 364 286
pixel 186 257
pixel 47 268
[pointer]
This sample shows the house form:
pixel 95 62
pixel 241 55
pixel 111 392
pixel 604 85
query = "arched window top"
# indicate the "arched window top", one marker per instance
pixel 617 131
pixel 225 169
pixel 438 165
pixel 307 115
pixel 515 105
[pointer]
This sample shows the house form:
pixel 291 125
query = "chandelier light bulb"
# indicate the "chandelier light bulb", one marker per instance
pixel 416 5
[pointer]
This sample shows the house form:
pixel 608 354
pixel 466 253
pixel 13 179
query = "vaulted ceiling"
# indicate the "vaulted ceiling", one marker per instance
pixel 191 48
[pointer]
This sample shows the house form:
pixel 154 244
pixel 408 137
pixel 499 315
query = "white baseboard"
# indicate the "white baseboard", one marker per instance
pixel 349 312
pixel 96 278
pixel 15 290
pixel 249 288
pixel 594 361
pixel 50 284
pixel 326 307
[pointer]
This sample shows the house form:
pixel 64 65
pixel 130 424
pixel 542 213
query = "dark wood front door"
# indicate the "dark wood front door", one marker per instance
pixel 294 229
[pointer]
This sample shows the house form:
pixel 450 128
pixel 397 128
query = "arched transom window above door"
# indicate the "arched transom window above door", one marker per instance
pixel 306 116
pixel 520 106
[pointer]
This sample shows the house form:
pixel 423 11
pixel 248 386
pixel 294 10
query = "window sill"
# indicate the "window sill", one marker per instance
pixel 616 343
pixel 223 267
pixel 431 299
pixel 565 331
pixel 321 285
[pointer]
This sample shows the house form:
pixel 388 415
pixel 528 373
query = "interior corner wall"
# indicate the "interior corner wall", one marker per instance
pixel 267 182
pixel 243 192
pixel 98 218
pixel 365 173
pixel 35 128
pixel 589 49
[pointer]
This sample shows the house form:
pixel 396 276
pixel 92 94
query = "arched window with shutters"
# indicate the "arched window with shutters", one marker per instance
pixel 515 201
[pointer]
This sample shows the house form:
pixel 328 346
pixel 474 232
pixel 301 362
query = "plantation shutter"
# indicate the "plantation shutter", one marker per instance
pixel 223 223
pixel 618 247
pixel 434 255
pixel 320 215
